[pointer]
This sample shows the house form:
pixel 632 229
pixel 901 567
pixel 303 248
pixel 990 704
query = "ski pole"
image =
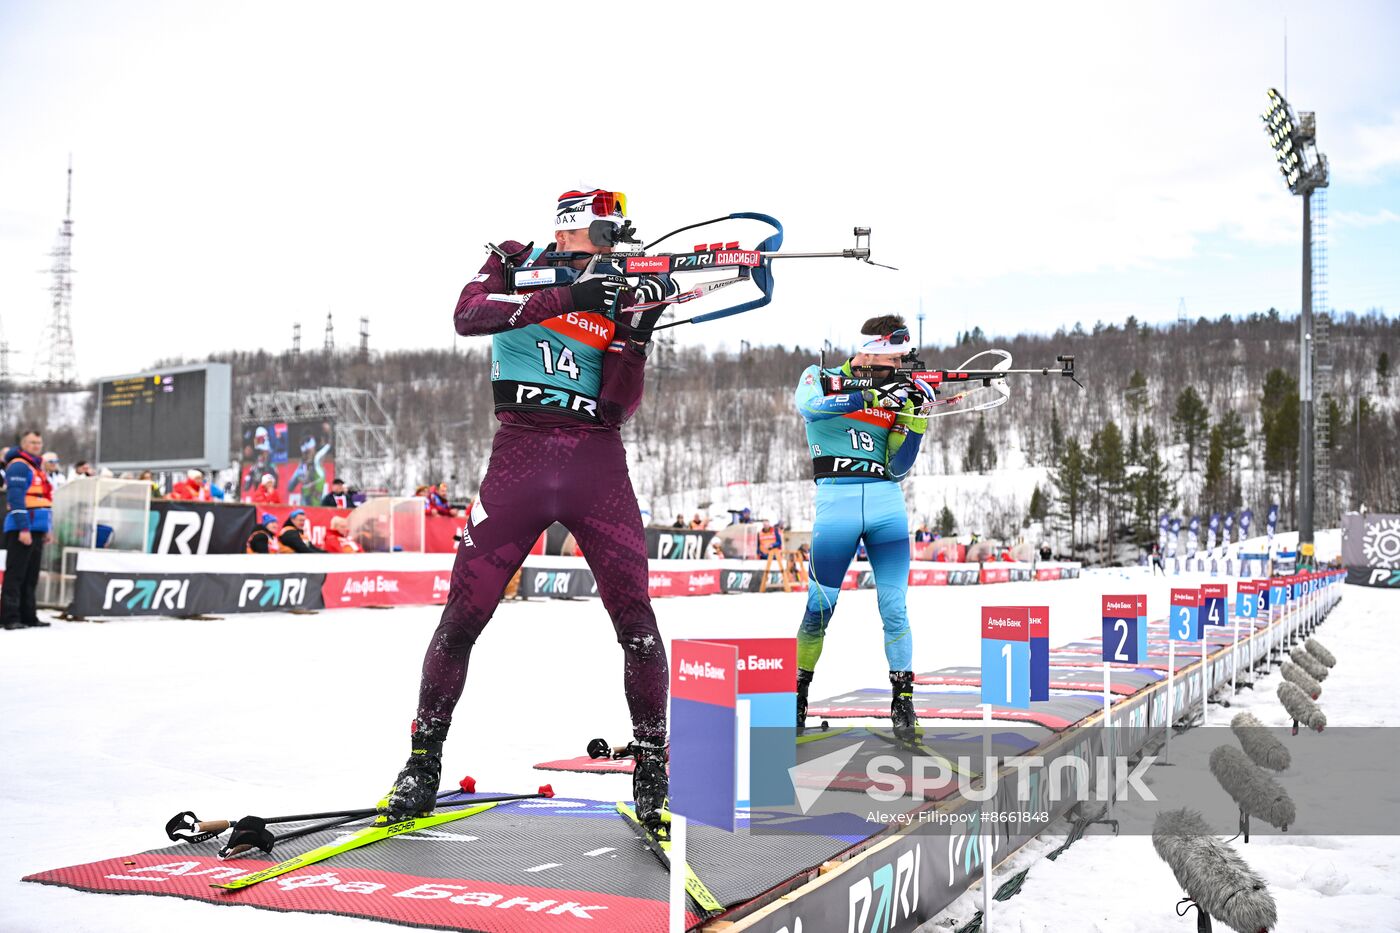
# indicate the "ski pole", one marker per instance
pixel 186 827
pixel 252 832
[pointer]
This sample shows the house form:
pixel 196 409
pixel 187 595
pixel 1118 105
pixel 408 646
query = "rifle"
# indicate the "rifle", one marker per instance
pixel 749 265
pixel 958 383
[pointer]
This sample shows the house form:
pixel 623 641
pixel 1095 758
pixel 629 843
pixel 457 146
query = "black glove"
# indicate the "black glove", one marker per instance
pixel 650 288
pixel 597 293
pixel 892 394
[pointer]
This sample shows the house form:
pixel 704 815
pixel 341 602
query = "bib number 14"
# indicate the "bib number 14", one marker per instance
pixel 564 363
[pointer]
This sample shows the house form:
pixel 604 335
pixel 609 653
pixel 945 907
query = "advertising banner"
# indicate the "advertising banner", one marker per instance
pixel 733 580
pixel 685 582
pixel 677 543
pixel 1371 549
pixel 169 594
pixel 561 582
pixel 386 588
pixel 198 527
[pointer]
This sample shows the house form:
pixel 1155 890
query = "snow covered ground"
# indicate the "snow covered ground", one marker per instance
pixel 111 728
pixel 1104 884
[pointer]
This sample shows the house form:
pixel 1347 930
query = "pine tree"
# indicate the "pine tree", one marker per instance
pixel 1136 395
pixel 946 524
pixel 1278 412
pixel 1235 439
pixel 981 453
pixel 1071 488
pixel 1057 431
pixel 1383 372
pixel 1216 494
pixel 1107 473
pixel 1191 422
pixel 1152 489
pixel 1039 508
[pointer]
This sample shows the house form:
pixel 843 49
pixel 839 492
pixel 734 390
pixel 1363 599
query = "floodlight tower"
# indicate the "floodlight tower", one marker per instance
pixel 1294 140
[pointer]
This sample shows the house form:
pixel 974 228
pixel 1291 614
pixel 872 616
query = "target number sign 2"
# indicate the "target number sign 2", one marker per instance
pixel 1124 630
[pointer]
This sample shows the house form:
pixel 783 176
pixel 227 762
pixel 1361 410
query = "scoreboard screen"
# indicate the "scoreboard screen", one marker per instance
pixel 172 418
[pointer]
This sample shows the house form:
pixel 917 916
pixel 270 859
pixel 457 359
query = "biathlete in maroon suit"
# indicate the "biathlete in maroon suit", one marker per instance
pixel 565 374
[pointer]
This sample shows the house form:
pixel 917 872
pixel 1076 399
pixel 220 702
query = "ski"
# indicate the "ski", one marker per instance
pixel 360 838
pixel 825 733
pixel 915 745
pixel 661 847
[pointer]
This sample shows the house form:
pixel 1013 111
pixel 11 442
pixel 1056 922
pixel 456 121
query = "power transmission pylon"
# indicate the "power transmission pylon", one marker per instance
pixel 60 366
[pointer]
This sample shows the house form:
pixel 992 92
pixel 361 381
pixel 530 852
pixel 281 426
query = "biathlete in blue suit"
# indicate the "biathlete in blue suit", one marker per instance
pixel 864 425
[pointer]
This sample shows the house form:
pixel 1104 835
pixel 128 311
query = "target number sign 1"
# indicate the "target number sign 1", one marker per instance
pixel 1006 656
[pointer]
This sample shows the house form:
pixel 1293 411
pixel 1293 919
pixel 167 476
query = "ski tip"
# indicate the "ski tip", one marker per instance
pixel 546 790
pixel 468 784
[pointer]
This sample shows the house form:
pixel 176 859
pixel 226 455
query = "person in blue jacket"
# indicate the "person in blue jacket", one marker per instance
pixel 863 441
pixel 29 494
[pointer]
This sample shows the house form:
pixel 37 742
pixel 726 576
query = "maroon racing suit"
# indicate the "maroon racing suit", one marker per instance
pixel 547 466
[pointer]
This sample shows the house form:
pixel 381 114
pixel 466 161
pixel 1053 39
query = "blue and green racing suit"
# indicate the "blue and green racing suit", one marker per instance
pixel 859 455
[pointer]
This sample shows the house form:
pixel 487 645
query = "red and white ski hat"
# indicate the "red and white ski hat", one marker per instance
pixel 577 210
pixel 896 343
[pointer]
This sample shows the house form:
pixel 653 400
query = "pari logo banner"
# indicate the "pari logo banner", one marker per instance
pixel 111 594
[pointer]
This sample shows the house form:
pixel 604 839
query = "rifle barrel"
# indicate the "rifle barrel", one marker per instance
pixel 861 253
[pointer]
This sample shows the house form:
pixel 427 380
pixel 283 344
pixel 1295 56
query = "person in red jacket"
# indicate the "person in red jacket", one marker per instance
pixel 338 540
pixel 266 493
pixel 191 489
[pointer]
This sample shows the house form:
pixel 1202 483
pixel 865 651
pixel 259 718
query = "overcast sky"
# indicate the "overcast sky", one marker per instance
pixel 242 166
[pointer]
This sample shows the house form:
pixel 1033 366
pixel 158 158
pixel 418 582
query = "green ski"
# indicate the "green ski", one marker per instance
pixel 696 888
pixel 362 837
pixel 916 746
pixel 806 737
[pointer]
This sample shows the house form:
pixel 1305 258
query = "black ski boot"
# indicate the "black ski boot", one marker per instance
pixel 415 790
pixel 902 705
pixel 804 683
pixel 650 785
